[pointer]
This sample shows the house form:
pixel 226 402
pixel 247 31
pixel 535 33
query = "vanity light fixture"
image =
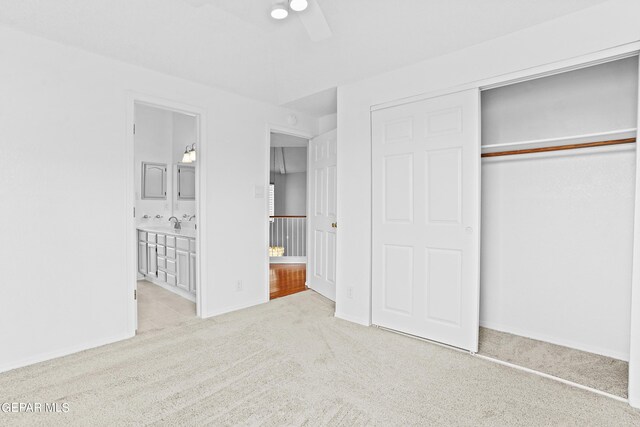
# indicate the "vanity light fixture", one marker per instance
pixel 186 157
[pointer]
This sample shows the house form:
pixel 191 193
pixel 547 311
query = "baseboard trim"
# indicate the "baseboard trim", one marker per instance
pixel 230 309
pixel 44 357
pixel 352 319
pixel 556 341
pixel 511 365
pixel 551 377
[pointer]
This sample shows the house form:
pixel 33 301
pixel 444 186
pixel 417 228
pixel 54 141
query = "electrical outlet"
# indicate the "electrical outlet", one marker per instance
pixel 239 286
pixel 350 292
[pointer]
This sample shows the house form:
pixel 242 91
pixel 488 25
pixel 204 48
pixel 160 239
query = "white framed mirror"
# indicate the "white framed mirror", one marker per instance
pixel 186 182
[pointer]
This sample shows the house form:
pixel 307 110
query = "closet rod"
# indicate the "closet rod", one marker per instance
pixel 560 147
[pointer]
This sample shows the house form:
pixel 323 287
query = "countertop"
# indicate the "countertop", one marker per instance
pixel 163 229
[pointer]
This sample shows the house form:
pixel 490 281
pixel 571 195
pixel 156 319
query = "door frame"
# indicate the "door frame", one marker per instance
pixel 133 98
pixel 582 61
pixel 272 127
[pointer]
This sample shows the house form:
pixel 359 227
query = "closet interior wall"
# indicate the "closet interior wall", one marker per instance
pixel 557 226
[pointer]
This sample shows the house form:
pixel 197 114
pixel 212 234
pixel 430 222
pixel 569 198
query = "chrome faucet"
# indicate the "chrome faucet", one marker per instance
pixel 191 217
pixel 176 224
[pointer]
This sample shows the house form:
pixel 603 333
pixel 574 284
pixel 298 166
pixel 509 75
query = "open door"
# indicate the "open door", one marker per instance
pixel 426 218
pixel 321 262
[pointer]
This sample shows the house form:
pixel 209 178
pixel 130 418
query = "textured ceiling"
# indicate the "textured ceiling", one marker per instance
pixel 233 44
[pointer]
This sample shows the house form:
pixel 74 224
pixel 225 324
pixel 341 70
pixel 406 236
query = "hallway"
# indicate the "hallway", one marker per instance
pixel 286 279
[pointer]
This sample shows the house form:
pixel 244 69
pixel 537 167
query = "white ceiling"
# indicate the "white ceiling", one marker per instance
pixel 234 44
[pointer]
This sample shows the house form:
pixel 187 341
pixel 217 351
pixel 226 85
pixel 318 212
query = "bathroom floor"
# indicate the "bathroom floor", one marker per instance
pixel 159 308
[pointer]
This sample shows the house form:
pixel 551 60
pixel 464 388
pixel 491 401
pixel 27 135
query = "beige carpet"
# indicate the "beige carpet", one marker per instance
pixel 599 372
pixel 290 362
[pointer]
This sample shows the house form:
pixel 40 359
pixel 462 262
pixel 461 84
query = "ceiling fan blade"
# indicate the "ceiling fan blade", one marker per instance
pixel 314 22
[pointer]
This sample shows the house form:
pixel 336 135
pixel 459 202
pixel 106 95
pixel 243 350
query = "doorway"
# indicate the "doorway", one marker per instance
pixel 166 225
pixel 288 202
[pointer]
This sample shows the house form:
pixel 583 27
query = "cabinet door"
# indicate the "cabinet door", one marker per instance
pixel 152 260
pixel 192 272
pixel 186 182
pixel 182 264
pixel 142 257
pixel 154 181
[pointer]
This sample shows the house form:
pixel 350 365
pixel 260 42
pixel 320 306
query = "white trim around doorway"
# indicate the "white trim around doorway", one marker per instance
pixel 270 127
pixel 199 113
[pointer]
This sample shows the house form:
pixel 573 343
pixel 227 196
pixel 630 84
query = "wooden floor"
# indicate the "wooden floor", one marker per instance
pixel 287 279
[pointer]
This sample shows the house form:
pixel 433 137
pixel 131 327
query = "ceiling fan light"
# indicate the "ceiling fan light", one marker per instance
pixel 298 5
pixel 279 11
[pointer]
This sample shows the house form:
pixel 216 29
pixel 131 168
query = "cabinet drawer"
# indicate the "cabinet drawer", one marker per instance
pixel 171 253
pixel 151 237
pixel 171 279
pixel 182 243
pixel 161 250
pixel 171 266
pixel 192 245
pixel 142 236
pixel 171 241
pixel 162 263
pixel 161 239
pixel 162 276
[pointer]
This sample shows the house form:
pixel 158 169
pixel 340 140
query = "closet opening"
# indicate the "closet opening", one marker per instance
pixel 558 182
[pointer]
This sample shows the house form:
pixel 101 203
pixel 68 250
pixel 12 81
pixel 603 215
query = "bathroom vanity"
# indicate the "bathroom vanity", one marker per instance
pixel 167 257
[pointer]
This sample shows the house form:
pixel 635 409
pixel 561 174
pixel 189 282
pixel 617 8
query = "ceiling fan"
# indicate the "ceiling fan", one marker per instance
pixel 309 13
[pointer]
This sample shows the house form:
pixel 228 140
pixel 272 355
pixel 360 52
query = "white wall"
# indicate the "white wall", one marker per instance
pixel 161 137
pixel 184 132
pixel 291 196
pixel 557 228
pixel 327 123
pixel 585 101
pixel 556 40
pixel 153 143
pixel 64 285
pixel 557 238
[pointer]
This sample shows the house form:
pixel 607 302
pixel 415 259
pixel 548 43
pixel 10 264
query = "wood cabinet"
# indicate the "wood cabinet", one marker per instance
pixel 171 265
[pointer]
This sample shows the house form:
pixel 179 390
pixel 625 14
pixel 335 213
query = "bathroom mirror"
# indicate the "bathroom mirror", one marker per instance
pixel 186 182
pixel 154 181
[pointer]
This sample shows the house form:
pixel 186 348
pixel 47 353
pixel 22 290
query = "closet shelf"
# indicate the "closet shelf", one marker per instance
pixel 560 147
pixel 575 139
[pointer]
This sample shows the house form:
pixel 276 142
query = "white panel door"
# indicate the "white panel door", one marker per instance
pixel 426 218
pixel 323 185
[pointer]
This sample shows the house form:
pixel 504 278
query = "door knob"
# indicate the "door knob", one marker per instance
pixel 334 225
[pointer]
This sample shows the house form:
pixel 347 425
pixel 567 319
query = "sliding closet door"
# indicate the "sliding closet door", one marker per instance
pixel 426 218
